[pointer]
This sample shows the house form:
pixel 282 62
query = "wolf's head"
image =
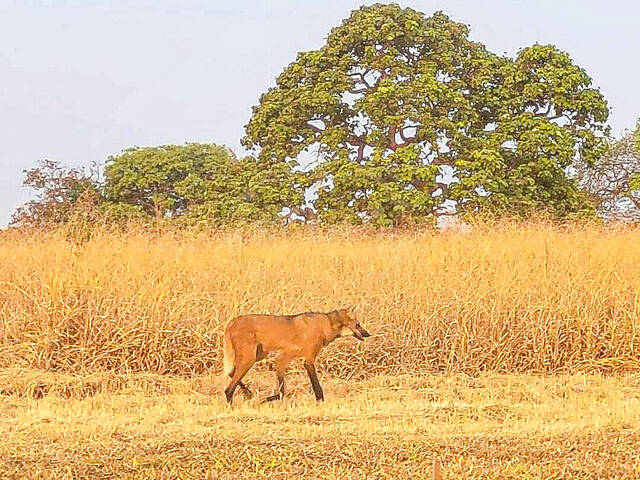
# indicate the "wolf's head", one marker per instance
pixel 349 324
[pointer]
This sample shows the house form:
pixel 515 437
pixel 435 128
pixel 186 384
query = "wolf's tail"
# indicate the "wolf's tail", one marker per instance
pixel 229 355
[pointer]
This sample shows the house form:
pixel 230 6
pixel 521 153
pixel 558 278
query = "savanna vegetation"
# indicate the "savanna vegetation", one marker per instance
pixel 517 297
pixel 508 349
pixel 110 353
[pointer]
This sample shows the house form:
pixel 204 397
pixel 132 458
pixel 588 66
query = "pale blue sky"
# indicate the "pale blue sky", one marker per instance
pixel 80 80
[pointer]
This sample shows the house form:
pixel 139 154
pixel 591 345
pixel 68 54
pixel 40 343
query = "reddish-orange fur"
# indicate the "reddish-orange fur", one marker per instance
pixel 250 338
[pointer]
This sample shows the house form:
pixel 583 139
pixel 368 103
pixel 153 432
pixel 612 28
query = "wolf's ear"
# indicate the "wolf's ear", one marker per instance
pixel 336 317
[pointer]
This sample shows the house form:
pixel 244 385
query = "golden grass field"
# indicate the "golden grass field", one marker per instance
pixel 493 426
pixel 509 352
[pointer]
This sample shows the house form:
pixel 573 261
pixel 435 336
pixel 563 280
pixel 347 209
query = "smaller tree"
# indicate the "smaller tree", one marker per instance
pixel 613 180
pixel 60 192
pixel 195 181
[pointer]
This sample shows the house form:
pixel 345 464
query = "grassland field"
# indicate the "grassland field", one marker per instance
pixel 512 351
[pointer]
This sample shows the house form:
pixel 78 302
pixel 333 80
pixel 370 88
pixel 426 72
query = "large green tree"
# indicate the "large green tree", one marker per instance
pixel 399 114
pixel 198 181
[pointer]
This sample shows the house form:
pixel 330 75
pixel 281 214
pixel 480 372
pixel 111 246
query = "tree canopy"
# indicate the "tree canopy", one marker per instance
pixel 59 191
pixel 400 114
pixel 198 181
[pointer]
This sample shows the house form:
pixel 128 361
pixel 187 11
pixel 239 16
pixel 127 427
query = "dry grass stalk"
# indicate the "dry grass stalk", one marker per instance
pixel 510 298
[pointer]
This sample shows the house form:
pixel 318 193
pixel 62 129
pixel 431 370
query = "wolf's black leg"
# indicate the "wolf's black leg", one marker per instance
pixel 317 389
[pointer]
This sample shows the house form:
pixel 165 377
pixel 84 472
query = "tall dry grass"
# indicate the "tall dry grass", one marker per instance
pixel 508 298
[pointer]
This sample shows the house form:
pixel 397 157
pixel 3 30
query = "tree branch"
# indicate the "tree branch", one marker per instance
pixel 544 114
pixel 547 112
pixel 362 75
pixel 356 140
pixel 440 185
pixel 360 153
pixel 392 137
pixel 405 141
pixel 315 128
pixel 362 79
pixel 361 144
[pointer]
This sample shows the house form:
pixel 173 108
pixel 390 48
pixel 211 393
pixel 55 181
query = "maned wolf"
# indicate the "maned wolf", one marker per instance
pixel 250 338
